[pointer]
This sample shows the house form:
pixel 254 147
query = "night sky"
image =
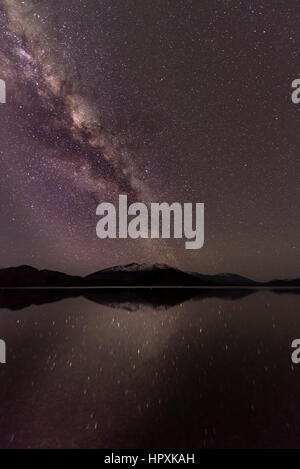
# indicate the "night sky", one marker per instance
pixel 171 100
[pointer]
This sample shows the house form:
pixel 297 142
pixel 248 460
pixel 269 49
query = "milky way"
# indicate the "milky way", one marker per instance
pixel 54 110
pixel 183 101
pixel 60 114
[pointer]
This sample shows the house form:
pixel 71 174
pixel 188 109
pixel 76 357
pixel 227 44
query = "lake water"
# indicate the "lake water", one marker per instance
pixel 205 373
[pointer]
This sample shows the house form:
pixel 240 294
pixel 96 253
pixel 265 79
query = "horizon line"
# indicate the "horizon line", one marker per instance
pixel 185 287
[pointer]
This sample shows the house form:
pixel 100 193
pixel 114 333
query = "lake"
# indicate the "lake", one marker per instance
pixel 205 373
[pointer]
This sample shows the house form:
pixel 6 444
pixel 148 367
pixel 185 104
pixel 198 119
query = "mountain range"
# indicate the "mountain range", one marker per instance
pixel 131 275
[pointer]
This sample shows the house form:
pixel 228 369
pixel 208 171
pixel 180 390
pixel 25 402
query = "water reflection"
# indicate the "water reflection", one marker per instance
pixel 200 374
pixel 126 298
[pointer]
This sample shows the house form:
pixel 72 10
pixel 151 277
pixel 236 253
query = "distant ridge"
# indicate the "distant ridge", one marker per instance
pixel 142 275
pixel 27 276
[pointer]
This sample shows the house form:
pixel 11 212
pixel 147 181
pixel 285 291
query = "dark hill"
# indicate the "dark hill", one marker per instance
pixel 26 276
pixel 157 275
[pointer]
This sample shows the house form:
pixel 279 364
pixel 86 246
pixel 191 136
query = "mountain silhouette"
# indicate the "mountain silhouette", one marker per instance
pixel 26 276
pixel 131 275
pixel 37 287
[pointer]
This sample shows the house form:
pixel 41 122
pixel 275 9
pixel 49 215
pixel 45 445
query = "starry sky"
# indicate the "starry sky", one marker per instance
pixel 176 100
